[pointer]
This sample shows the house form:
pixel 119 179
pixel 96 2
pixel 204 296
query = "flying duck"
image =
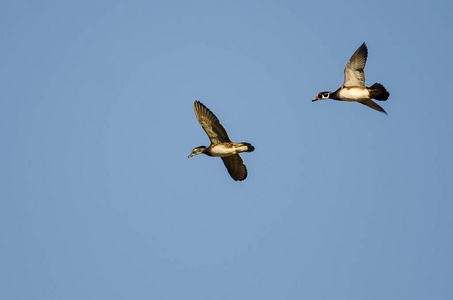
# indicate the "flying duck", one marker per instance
pixel 353 88
pixel 221 146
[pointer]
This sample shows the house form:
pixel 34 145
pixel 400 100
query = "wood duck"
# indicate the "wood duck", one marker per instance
pixel 221 146
pixel 353 88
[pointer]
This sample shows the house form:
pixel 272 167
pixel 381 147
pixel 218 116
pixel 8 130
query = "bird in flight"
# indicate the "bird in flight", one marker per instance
pixel 221 145
pixel 353 88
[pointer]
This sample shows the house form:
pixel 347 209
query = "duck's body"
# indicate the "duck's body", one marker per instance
pixel 353 88
pixel 227 149
pixel 221 146
pixel 351 93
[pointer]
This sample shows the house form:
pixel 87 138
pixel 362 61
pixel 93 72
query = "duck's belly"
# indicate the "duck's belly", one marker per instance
pixel 354 94
pixel 227 150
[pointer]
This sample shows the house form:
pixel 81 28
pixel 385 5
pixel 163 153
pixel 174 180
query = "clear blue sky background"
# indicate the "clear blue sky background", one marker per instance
pixel 99 199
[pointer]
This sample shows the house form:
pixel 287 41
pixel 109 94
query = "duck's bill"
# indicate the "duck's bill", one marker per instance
pixel 315 99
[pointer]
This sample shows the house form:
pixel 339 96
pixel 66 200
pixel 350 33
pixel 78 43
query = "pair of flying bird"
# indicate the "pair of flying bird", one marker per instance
pixel 352 90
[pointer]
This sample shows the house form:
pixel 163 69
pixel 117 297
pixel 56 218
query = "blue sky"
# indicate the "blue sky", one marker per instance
pixel 99 200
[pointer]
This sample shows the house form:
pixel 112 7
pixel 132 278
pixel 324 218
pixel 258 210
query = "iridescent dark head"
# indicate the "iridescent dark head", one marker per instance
pixel 322 96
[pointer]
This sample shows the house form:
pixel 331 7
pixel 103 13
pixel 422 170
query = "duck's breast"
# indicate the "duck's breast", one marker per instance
pixel 354 93
pixel 221 150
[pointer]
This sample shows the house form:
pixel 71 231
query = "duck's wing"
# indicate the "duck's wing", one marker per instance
pixel 373 105
pixel 235 166
pixel 215 131
pixel 354 74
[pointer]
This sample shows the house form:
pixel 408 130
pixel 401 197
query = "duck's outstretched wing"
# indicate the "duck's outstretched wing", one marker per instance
pixel 373 105
pixel 215 131
pixel 235 166
pixel 354 74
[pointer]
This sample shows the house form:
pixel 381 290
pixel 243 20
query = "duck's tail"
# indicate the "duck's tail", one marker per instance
pixel 250 148
pixel 378 92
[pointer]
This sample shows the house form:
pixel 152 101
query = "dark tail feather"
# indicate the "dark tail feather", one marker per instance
pixel 378 92
pixel 250 147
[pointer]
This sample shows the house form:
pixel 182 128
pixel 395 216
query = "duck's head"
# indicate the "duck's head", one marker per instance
pixel 322 96
pixel 197 150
